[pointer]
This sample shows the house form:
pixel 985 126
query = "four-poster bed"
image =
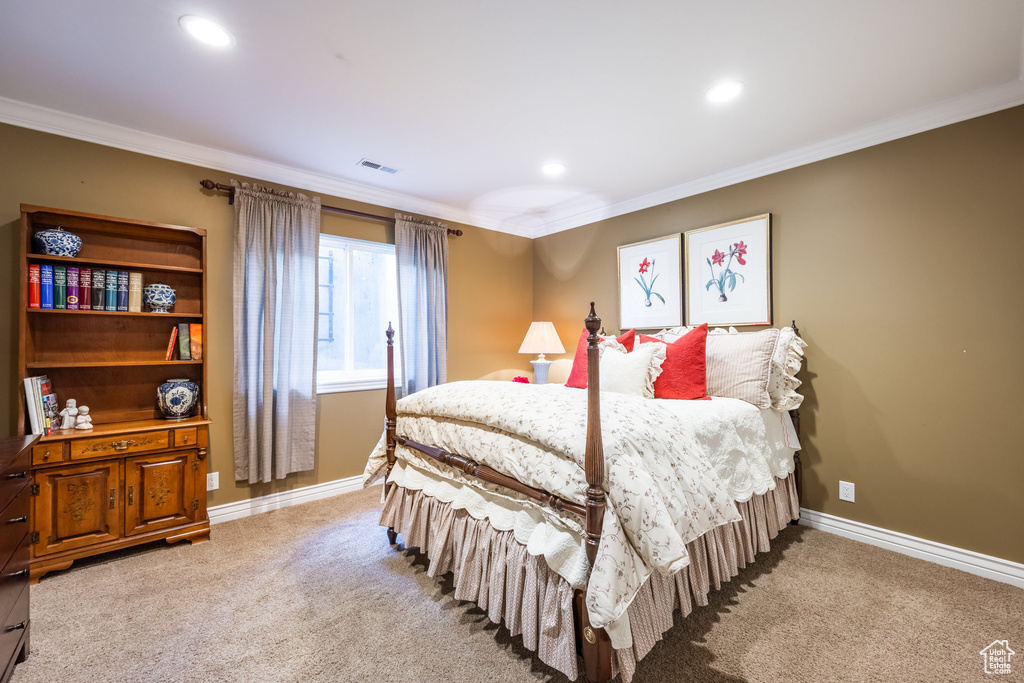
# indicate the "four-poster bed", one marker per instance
pixel 481 555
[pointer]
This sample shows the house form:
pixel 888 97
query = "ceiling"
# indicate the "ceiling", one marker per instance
pixel 469 99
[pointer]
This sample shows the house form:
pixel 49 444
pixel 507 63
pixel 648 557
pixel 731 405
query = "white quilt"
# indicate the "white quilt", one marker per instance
pixel 664 487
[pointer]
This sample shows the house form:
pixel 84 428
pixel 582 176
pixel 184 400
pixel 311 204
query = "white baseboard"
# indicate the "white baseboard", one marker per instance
pixel 276 501
pixel 946 555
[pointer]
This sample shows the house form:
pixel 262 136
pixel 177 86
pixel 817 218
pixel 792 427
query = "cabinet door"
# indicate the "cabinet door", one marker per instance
pixel 76 506
pixel 159 491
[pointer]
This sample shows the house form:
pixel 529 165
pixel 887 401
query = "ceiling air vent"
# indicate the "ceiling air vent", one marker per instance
pixel 377 167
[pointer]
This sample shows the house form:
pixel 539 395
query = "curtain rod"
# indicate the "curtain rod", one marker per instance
pixel 210 185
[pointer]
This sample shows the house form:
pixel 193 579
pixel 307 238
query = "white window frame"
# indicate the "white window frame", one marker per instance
pixel 337 381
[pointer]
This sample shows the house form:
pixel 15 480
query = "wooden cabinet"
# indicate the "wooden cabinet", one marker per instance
pixel 135 477
pixel 15 502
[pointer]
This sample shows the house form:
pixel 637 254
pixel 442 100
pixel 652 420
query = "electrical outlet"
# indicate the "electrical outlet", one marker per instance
pixel 213 481
pixel 845 491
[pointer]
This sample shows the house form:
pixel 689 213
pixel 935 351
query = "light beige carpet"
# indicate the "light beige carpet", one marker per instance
pixel 315 593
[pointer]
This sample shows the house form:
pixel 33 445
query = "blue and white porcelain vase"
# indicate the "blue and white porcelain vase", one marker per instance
pixel 159 297
pixel 57 242
pixel 177 398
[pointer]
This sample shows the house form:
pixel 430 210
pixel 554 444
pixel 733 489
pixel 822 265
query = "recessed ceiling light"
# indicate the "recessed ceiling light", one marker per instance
pixel 723 92
pixel 206 31
pixel 553 169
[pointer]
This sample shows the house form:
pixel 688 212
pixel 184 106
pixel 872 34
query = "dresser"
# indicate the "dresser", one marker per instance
pixel 15 502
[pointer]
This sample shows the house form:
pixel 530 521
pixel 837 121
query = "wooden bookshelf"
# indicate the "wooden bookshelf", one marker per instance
pixel 113 361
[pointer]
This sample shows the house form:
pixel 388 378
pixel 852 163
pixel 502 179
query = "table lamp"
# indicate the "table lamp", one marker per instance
pixel 541 338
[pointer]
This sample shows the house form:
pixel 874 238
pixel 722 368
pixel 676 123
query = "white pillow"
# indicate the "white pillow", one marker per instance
pixel 632 373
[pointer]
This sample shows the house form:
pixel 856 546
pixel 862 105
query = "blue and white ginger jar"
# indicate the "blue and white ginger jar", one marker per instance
pixel 159 297
pixel 177 398
pixel 57 242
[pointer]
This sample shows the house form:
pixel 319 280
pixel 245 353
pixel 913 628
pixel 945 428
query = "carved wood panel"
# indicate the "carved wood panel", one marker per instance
pixel 77 506
pixel 159 491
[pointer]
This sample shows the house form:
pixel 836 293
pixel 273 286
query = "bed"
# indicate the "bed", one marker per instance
pixel 508 487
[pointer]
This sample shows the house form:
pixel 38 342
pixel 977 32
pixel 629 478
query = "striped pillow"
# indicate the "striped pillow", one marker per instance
pixel 739 365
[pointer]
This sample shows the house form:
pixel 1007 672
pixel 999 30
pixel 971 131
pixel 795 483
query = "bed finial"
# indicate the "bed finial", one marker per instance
pixel 795 328
pixel 390 415
pixel 390 334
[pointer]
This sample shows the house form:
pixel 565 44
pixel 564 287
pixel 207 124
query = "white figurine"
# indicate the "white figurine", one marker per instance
pixel 83 421
pixel 69 414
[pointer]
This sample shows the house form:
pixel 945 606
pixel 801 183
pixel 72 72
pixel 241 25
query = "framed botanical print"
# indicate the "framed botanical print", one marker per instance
pixel 650 284
pixel 729 273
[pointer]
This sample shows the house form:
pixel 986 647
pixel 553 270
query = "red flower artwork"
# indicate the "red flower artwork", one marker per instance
pixel 718 258
pixel 740 249
pixel 726 279
pixel 645 265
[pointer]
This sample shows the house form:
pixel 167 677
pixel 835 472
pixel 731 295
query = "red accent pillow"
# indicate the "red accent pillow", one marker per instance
pixel 684 372
pixel 578 374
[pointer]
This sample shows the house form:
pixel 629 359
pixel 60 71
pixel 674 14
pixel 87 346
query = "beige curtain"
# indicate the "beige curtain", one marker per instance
pixel 421 250
pixel 275 260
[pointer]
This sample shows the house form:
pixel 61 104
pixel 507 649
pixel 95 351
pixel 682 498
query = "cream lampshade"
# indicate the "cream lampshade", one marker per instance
pixel 541 338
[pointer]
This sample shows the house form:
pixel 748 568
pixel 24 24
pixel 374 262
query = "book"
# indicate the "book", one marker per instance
pixel 135 292
pixel 45 287
pixel 111 291
pixel 195 340
pixel 52 409
pixel 99 289
pixel 122 290
pixel 170 344
pixel 85 289
pixel 184 346
pixel 73 288
pixel 31 407
pixel 60 287
pixel 33 285
pixel 43 388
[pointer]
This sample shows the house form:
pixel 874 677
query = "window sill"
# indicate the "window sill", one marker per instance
pixel 337 387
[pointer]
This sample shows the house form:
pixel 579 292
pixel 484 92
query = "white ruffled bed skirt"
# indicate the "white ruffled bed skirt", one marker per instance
pixel 492 569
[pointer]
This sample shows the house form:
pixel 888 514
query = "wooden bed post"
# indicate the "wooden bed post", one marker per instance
pixel 594 642
pixel 798 467
pixel 390 417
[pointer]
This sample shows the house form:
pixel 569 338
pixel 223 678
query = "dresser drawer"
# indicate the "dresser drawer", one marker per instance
pixel 15 626
pixel 85 449
pixel 185 437
pixel 14 524
pixel 48 453
pixel 14 478
pixel 13 579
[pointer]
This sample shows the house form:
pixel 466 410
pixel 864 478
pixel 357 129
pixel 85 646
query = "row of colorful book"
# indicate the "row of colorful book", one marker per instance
pixel 85 289
pixel 43 411
pixel 189 338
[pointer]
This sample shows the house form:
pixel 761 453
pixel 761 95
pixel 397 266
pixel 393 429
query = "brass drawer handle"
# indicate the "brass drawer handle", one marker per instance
pixel 202 453
pixel 121 445
pixel 16 627
pixel 46 455
pixel 17 475
pixel 131 495
pixel 17 520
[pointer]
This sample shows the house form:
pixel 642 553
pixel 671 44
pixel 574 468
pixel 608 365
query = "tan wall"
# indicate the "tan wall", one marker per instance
pixel 902 266
pixel 490 278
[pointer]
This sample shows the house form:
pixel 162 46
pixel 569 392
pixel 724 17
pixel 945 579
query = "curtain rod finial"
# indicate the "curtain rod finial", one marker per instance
pixel 208 184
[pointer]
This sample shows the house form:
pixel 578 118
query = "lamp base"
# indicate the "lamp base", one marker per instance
pixel 540 370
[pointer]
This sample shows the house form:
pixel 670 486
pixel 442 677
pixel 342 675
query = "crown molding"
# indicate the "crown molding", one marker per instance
pixel 952 111
pixel 61 123
pixel 979 103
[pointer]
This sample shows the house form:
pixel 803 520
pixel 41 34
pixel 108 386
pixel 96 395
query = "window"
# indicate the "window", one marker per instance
pixel 358 297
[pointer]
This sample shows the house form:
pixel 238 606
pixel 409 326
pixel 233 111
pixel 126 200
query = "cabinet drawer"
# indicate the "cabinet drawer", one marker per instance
pixel 84 449
pixel 14 524
pixel 14 478
pixel 185 437
pixel 47 453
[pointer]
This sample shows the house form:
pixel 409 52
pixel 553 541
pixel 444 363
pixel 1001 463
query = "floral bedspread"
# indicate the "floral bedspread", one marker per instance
pixel 662 491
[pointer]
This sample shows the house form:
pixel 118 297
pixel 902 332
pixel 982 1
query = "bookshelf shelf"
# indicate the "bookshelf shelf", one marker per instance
pixel 117 265
pixel 43 365
pixel 144 314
